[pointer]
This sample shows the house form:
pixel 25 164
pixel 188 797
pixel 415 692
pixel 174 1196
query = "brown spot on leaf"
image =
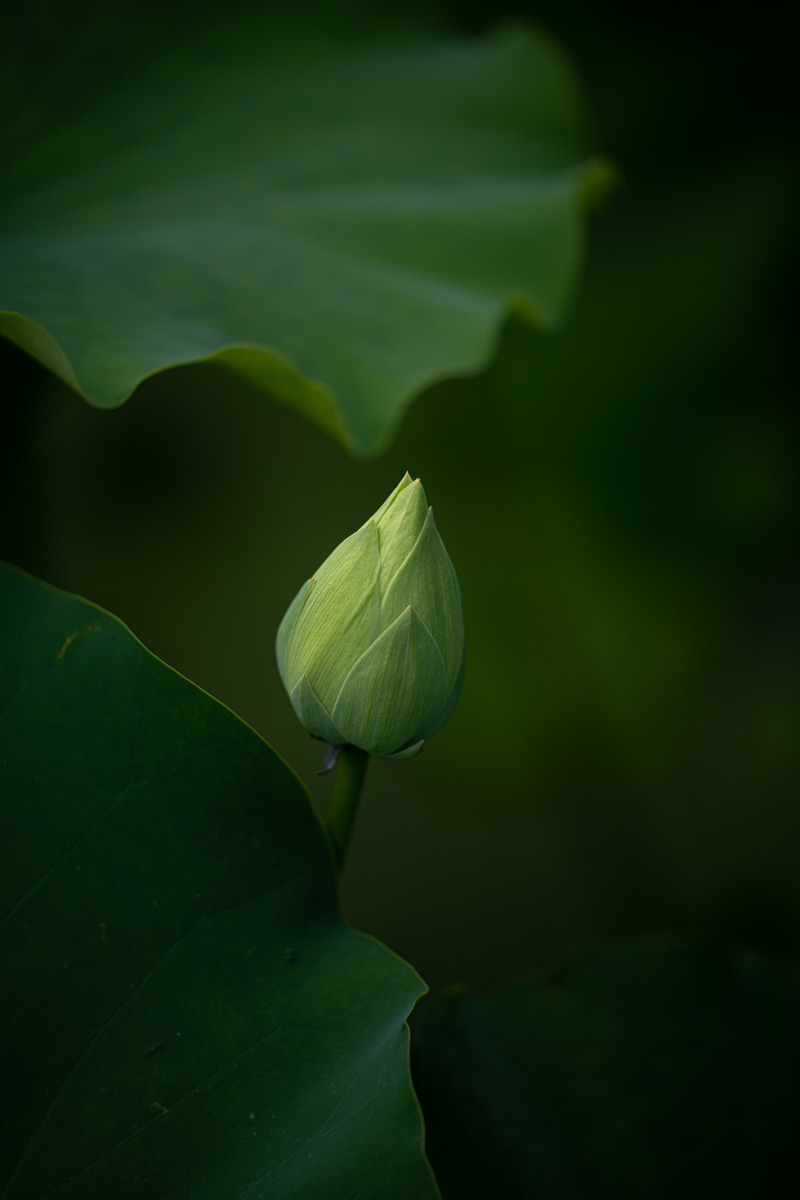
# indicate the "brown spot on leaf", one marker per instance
pixel 72 636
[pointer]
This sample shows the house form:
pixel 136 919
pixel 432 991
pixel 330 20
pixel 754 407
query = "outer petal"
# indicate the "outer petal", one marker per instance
pixel 398 530
pixel 339 618
pixel 284 634
pixel 396 691
pixel 427 581
pixel 313 714
pixel 452 699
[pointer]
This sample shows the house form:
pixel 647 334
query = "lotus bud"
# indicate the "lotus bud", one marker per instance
pixel 371 649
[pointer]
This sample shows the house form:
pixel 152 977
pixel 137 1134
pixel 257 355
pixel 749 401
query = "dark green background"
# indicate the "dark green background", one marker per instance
pixel 619 500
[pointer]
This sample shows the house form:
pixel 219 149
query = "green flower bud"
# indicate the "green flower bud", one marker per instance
pixel 371 649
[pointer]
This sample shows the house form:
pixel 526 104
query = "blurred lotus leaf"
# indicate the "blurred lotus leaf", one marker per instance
pixel 342 213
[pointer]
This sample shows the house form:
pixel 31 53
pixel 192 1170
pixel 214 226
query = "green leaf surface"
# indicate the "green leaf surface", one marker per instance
pixel 341 214
pixel 658 1069
pixel 183 1011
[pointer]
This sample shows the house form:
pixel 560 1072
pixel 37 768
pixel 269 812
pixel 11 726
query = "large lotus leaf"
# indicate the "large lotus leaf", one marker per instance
pixel 341 216
pixel 183 1011
pixel 657 1069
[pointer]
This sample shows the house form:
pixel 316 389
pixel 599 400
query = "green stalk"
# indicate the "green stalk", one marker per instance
pixel 348 779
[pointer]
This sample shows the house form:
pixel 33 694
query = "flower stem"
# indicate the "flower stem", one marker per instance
pixel 348 779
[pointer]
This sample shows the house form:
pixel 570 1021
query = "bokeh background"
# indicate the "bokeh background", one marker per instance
pixel 619 499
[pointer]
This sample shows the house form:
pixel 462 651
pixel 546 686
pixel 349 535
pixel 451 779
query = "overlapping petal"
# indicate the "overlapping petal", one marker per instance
pixel 427 580
pixel 313 714
pixel 284 636
pixel 395 691
pixel 398 530
pixel 338 617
